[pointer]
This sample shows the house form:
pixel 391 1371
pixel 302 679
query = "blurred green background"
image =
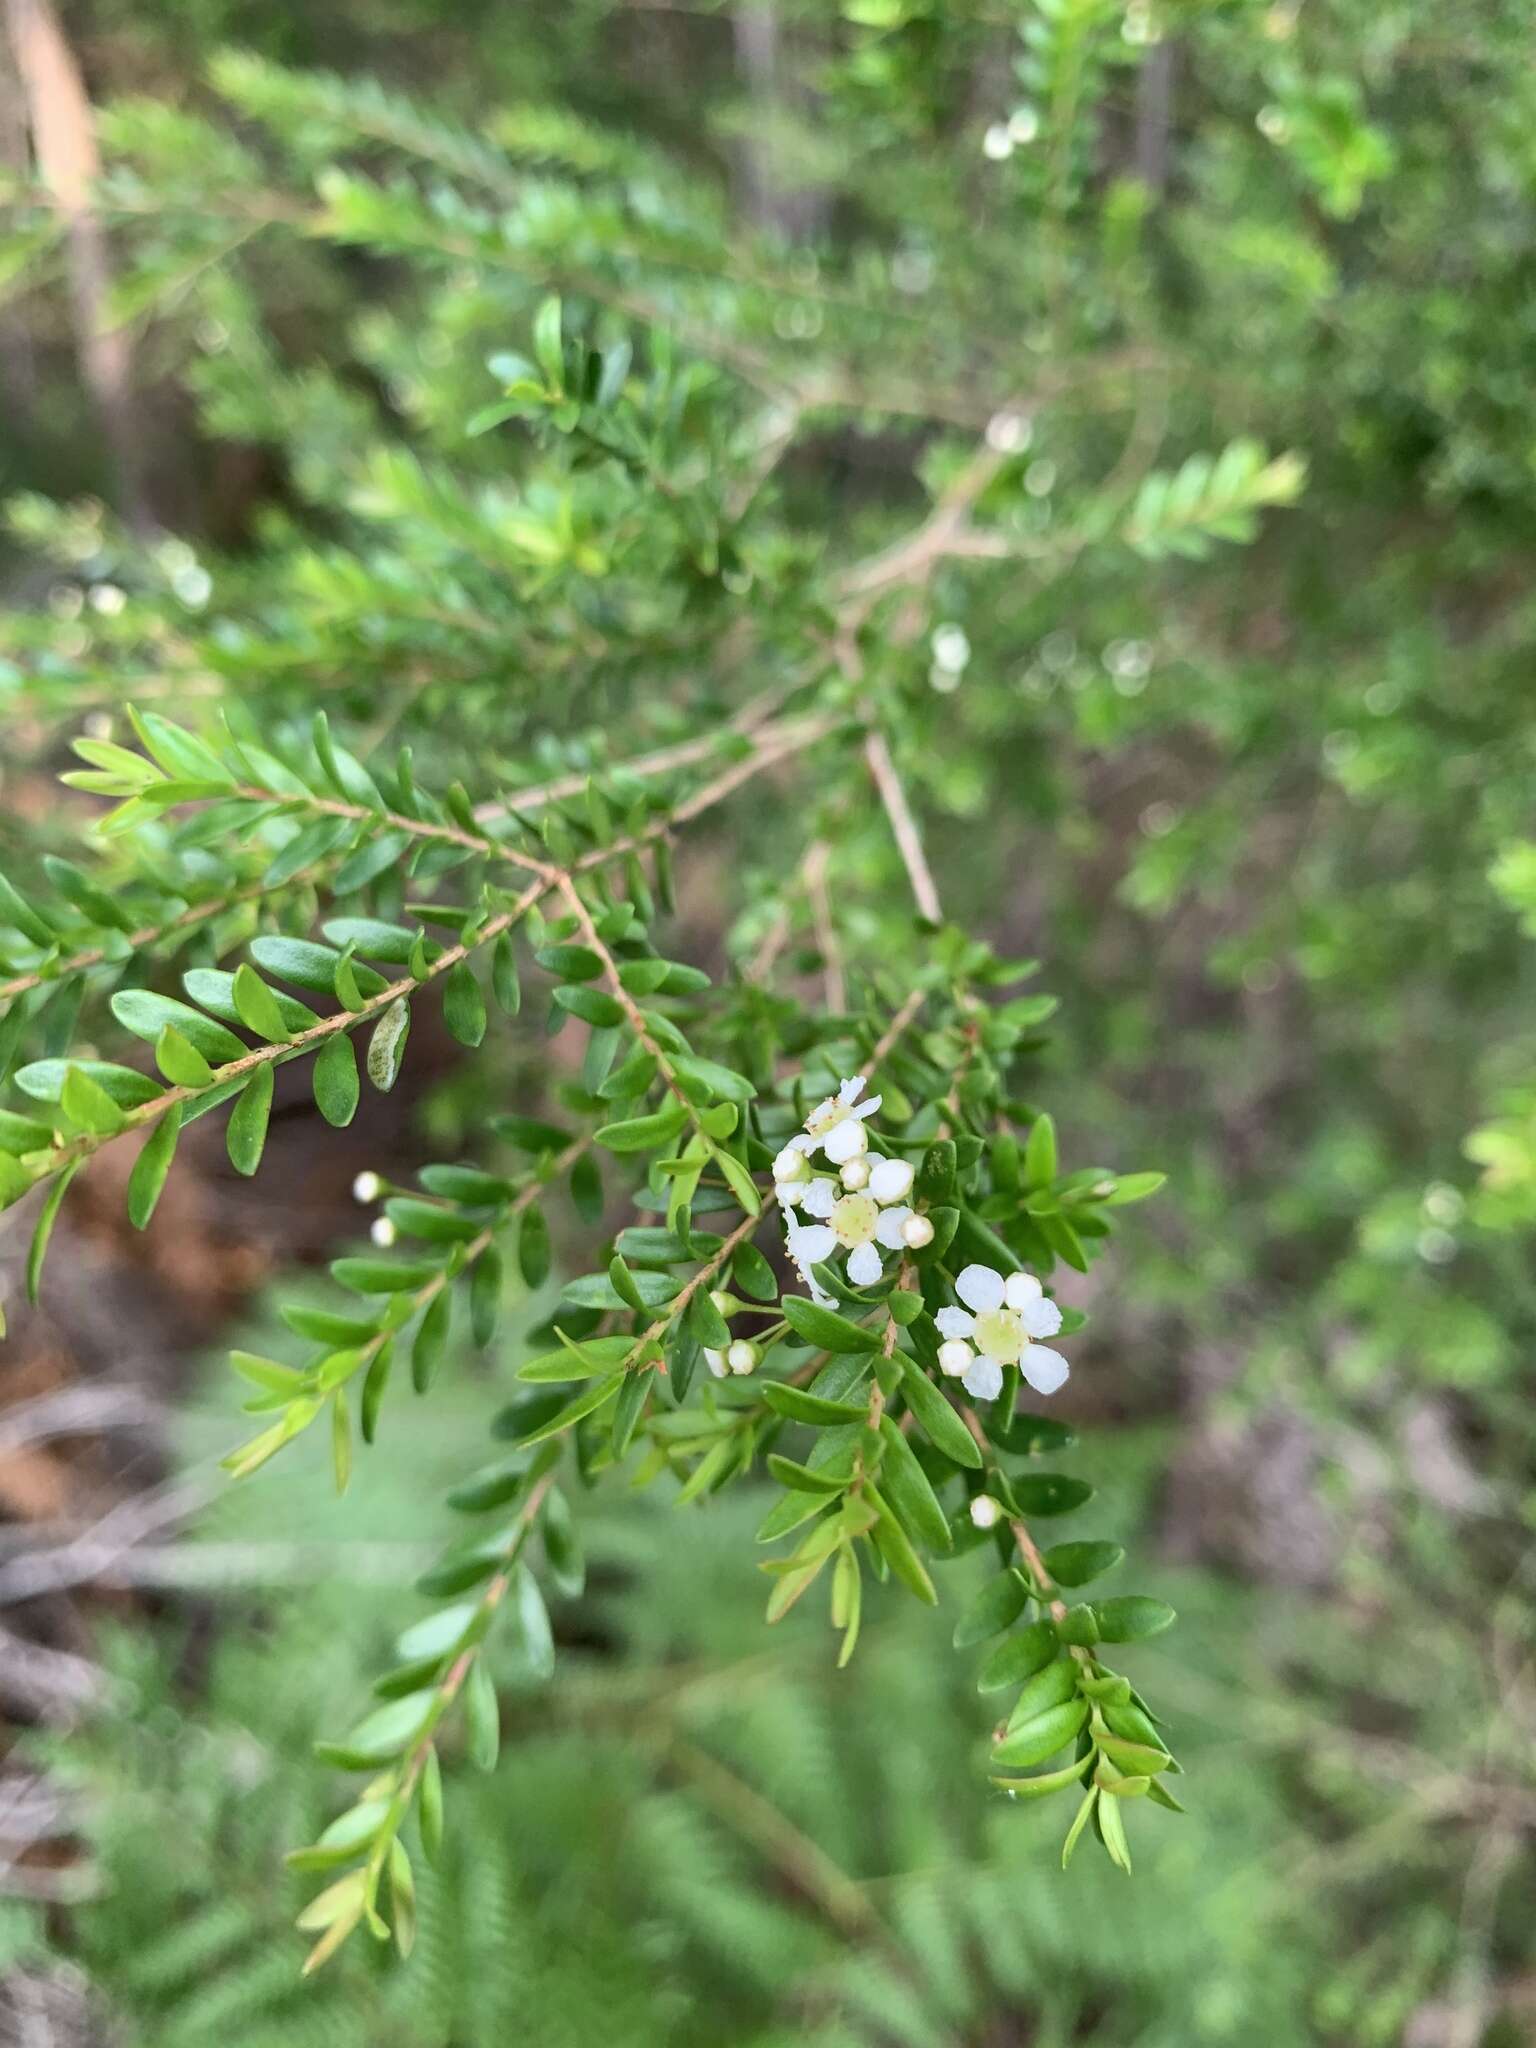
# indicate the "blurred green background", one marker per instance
pixel 1260 809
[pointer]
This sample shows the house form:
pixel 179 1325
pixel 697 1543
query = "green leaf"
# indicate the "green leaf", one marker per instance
pixel 482 1717
pixel 591 1005
pixel 997 1606
pixel 431 1341
pixel 247 1131
pixel 907 1488
pixel 824 1329
pixel 151 1167
pixel 86 1103
pixel 464 1005
pixel 570 963
pixel 895 1547
pixel 528 1134
pixel 1049 1493
pixel 1074 1564
pixel 1041 1736
pixel 1131 1617
pixel 429 1809
pixel 44 1081
pixel 181 1062
pixel 797 1405
pixel 147 1015
pixel 937 1419
pixel 1018 1657
pixel 485 1284
pixel 1040 1154
pixel 533 1256
pixel 505 985
pixel 644 1133
pixel 49 1215
pixel 258 1007
pixel 335 1080
pixel 308 965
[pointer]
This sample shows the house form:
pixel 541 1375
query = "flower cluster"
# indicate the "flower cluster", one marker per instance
pixel 863 1211
pixel 1009 1314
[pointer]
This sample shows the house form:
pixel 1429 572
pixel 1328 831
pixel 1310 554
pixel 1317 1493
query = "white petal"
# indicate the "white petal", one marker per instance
pixel 1019 1289
pixel 818 1293
pixel 788 1192
pixel 818 1199
pixel 845 1140
pixel 984 1381
pixel 888 1230
pixel 810 1243
pixel 1041 1318
pixel 869 1108
pixel 864 1267
pixel 715 1360
pixel 954 1322
pixel 890 1180
pixel 955 1358
pixel 802 1141
pixel 1045 1369
pixel 851 1089
pixel 981 1289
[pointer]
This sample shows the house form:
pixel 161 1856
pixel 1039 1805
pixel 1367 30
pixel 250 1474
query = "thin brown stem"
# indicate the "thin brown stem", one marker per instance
pixel 903 825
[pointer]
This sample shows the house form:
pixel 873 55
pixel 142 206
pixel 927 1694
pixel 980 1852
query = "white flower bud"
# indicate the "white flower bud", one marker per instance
pixel 742 1356
pixel 383 1232
pixel 855 1174
pixel 997 143
pixel 715 1360
pixel 791 1164
pixel 955 1358
pixel 985 1512
pixel 845 1141
pixel 916 1232
pixel 722 1301
pixel 367 1188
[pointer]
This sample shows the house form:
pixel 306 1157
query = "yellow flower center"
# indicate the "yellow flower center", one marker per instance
pixel 854 1219
pixel 1000 1335
pixel 824 1116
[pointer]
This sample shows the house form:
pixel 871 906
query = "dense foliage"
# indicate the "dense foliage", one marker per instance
pixel 868 453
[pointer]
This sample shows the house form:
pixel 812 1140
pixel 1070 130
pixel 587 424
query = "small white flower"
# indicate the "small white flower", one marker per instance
pixel 890 1180
pixel 791 1165
pixel 916 1232
pixel 855 1174
pixel 367 1188
pixel 742 1356
pixel 1009 1314
pixel 1023 125
pixel 997 143
pixel 859 1225
pixel 829 1115
pixel 383 1232
pixel 985 1511
pixel 715 1360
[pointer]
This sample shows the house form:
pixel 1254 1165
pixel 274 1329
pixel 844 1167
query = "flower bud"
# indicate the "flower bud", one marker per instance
pixel 985 1512
pixel 954 1358
pixel 916 1232
pixel 367 1188
pixel 383 1232
pixel 855 1174
pixel 791 1165
pixel 742 1356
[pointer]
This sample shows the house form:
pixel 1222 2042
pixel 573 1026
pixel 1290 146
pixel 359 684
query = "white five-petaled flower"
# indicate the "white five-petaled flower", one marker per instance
pixel 837 1124
pixel 1009 1314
